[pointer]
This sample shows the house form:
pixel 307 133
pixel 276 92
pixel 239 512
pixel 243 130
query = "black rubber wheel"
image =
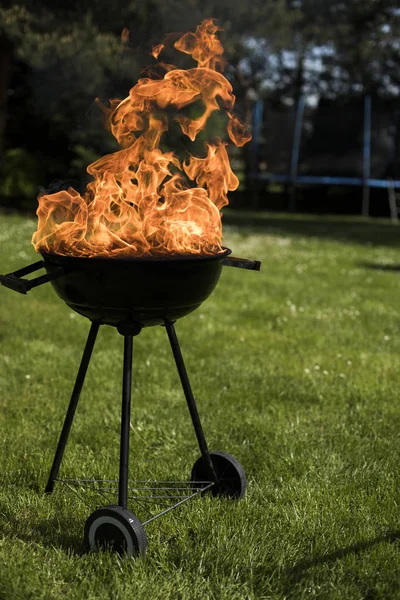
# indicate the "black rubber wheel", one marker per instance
pixel 230 473
pixel 117 529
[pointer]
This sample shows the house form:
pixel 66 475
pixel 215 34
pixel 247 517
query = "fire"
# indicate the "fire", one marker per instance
pixel 144 201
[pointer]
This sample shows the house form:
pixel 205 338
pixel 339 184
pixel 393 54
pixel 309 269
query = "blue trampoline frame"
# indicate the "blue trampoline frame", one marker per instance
pixel 292 178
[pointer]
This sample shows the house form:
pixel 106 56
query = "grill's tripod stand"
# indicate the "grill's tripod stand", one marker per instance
pixel 116 526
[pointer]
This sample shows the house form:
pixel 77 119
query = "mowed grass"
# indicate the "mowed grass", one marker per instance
pixel 296 371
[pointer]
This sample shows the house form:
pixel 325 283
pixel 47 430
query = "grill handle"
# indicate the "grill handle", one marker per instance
pixel 242 263
pixel 15 280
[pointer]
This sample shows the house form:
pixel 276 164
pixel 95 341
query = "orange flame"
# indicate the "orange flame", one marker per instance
pixel 125 35
pixel 143 201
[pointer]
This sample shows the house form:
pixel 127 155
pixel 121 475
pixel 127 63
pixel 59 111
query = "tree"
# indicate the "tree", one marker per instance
pixel 61 56
pixel 66 55
pixel 367 58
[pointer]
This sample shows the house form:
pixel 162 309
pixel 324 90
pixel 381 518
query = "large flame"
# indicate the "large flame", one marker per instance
pixel 143 201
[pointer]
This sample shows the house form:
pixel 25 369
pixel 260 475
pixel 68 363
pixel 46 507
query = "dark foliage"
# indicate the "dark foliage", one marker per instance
pixel 56 58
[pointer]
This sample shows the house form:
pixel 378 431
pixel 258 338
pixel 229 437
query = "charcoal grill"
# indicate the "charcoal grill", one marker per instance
pixel 129 294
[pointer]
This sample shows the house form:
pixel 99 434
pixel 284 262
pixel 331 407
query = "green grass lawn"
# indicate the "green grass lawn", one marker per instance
pixel 296 370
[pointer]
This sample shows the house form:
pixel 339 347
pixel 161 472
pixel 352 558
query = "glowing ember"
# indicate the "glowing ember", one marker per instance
pixel 143 201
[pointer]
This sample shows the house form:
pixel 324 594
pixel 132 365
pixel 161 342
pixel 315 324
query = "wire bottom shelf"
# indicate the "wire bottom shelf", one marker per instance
pixel 146 499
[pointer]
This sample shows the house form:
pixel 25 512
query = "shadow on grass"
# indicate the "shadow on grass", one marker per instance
pixel 380 267
pixel 31 519
pixel 341 229
pixel 59 533
pixel 298 570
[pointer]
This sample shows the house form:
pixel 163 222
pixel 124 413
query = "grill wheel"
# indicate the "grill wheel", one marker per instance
pixel 231 477
pixel 117 529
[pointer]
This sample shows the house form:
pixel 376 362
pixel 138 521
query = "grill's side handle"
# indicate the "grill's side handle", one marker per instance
pixel 15 280
pixel 242 263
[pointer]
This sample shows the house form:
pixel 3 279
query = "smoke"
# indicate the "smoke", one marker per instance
pixel 57 185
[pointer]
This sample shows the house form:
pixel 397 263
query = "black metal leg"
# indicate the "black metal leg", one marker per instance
pixel 125 422
pixel 173 340
pixel 69 417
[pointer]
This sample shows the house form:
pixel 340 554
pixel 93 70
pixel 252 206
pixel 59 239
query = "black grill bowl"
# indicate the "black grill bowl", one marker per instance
pixel 148 291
